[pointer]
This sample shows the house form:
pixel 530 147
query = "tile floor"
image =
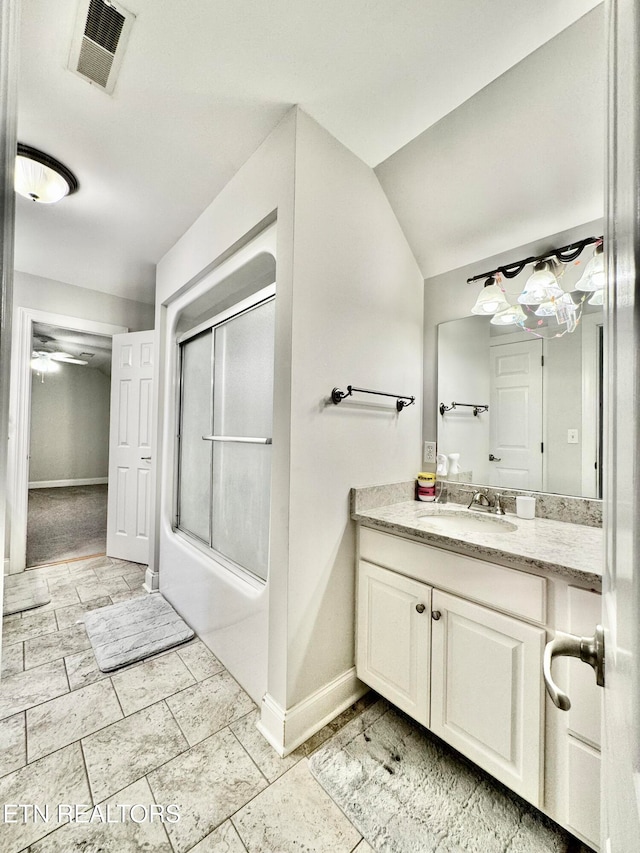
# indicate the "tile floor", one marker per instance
pixel 174 729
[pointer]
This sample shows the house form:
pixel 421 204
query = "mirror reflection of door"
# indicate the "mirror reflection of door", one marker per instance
pixel 515 433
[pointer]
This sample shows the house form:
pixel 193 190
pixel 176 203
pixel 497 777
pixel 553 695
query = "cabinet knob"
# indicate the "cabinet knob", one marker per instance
pixel 435 615
pixel 420 608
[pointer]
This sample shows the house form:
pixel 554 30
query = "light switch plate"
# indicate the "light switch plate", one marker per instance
pixel 572 436
pixel 429 452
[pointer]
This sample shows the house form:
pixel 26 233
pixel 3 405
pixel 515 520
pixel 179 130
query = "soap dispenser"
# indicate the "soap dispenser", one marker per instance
pixel 442 465
pixel 454 463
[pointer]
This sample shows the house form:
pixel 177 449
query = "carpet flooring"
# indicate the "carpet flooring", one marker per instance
pixel 408 793
pixel 65 523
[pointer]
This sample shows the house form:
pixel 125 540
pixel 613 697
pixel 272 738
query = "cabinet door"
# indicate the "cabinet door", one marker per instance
pixel 487 690
pixel 392 654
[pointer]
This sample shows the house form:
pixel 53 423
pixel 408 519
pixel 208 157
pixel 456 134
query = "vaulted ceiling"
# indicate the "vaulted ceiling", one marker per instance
pixel 203 83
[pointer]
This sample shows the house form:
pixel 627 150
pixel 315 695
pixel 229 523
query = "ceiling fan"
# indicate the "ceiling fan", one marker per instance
pixel 45 361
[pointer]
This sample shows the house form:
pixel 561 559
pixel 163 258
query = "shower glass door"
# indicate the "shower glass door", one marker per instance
pixel 226 419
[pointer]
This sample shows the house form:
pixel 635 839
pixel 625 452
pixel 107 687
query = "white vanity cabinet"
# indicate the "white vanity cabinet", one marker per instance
pixel 457 643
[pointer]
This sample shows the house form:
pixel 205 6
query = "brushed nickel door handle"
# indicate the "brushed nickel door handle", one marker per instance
pixel 420 608
pixel 589 649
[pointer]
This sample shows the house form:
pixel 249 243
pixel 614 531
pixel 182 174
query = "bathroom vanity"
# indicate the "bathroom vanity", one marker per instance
pixel 453 613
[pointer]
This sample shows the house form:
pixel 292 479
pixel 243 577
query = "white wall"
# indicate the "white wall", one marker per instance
pixel 357 319
pixel 562 378
pixel 69 425
pixel 464 376
pixel 348 310
pixel 522 158
pixel 57 297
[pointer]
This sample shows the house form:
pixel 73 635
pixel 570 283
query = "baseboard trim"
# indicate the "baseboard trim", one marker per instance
pixel 52 484
pixel 287 729
pixel 151 581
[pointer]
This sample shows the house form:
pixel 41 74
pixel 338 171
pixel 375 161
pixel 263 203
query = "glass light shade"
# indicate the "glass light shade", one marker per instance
pixel 509 317
pixel 597 298
pixel 42 364
pixel 541 286
pixel 38 182
pixel 593 277
pixel 550 308
pixel 490 300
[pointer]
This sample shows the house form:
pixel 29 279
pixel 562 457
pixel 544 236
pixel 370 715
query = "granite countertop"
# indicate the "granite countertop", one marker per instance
pixel 551 547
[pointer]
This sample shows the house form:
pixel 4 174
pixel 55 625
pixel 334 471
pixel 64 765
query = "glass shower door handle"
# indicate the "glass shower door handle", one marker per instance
pixel 240 439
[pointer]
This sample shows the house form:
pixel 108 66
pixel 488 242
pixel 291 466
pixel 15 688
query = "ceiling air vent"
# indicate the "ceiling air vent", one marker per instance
pixel 101 33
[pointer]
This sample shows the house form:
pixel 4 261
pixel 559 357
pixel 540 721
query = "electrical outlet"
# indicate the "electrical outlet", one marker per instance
pixel 429 452
pixel 572 436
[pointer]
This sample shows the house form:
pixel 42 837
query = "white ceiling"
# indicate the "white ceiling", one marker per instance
pixel 204 82
pixel 95 349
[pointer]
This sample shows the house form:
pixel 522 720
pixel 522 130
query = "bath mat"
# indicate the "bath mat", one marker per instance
pixel 407 793
pixel 133 630
pixel 24 593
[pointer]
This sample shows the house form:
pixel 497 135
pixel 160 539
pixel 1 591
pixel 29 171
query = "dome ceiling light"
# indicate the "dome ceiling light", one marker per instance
pixel 42 178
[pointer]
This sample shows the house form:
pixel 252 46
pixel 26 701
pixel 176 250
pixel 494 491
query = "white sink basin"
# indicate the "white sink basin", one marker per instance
pixel 450 521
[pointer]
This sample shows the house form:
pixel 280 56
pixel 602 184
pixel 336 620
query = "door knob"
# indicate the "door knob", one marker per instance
pixel 493 458
pixel 420 608
pixel 589 649
pixel 145 458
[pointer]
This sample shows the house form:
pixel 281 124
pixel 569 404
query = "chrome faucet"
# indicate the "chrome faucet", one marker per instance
pixel 481 500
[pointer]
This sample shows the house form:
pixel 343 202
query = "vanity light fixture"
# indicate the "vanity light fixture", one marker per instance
pixel 40 177
pixel 491 299
pixel 542 293
pixel 510 316
pixel 542 285
pixel 593 277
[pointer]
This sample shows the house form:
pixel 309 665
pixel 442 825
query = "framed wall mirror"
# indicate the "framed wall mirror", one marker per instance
pixel 542 429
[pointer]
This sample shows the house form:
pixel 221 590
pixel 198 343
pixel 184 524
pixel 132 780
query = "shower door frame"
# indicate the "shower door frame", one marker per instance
pixel 244 306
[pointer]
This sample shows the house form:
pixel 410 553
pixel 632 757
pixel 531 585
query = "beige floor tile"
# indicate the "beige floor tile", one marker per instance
pixel 59 644
pixel 209 782
pixel 125 836
pixel 295 814
pixel 31 625
pixel 93 563
pixel 199 660
pixel 134 580
pixel 62 598
pixel 68 616
pixel 101 588
pixel 364 847
pixel 13 744
pixel 68 718
pixel 261 750
pixel 57 570
pixel 26 689
pixel 151 681
pixel 208 706
pixel 117 569
pixel 130 748
pixel 82 669
pixel 224 839
pixel 12 659
pixel 127 595
pixel 58 778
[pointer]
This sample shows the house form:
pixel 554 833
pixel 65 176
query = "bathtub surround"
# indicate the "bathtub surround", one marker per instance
pixel 408 793
pixel 131 631
pixel 344 274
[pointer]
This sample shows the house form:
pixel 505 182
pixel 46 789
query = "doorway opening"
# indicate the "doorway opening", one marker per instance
pixel 69 445
pixel 31 330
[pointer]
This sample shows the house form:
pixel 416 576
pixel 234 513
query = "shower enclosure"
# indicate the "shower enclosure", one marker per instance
pixel 217 494
pixel 224 439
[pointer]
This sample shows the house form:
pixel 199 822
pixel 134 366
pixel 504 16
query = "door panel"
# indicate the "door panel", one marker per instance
pixel 130 453
pixel 515 432
pixel 393 647
pixel 621 580
pixel 487 690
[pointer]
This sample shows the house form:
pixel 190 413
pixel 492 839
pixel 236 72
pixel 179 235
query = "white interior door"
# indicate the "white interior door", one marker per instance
pixel 515 435
pixel 130 452
pixel 621 582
